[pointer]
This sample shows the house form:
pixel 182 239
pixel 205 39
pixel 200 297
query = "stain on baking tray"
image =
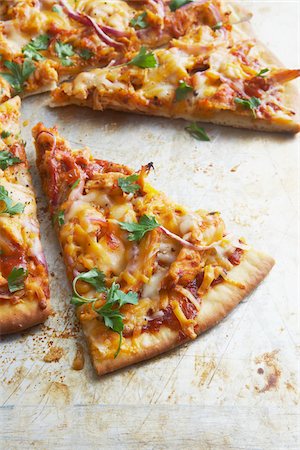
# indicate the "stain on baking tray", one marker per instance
pixel 54 355
pixel 269 370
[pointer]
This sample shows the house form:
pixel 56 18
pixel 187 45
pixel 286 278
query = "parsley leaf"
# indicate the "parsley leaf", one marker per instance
pixel 39 43
pixel 262 72
pixel 197 132
pixel 182 91
pixel 75 184
pixel 8 159
pixel 110 311
pixel 115 299
pixel 64 51
pixel 16 279
pixel 138 230
pixel 85 53
pixel 59 217
pixel 57 9
pixel 217 26
pixel 19 74
pixel 140 21
pixel 128 184
pixel 251 103
pixel 175 4
pixel 144 59
pixel 9 207
pixel 5 134
pixel 95 278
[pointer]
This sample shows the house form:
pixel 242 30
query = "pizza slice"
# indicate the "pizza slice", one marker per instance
pixel 24 289
pixel 147 274
pixel 213 73
pixel 42 42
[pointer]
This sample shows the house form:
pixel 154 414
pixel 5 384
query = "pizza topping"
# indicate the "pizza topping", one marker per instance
pixel 144 59
pixel 8 159
pixel 86 20
pixel 64 51
pixel 175 4
pixel 217 26
pixel 5 134
pixel 6 204
pixel 140 22
pixel 252 103
pixel 197 132
pixel 85 53
pixel 128 184
pixel 39 43
pixel 262 72
pixel 59 217
pixel 93 277
pixel 16 279
pixel 19 74
pixel 138 230
pixel 182 91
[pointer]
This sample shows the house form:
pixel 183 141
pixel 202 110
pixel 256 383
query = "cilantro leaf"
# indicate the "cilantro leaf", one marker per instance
pixel 75 184
pixel 144 59
pixel 9 207
pixel 138 230
pixel 197 132
pixel 95 278
pixel 57 9
pixel 5 134
pixel 140 21
pixel 262 72
pixel 16 279
pixel 175 4
pixel 39 43
pixel 128 184
pixel 19 74
pixel 64 51
pixel 182 91
pixel 252 103
pixel 8 159
pixel 59 217
pixel 85 53
pixel 217 26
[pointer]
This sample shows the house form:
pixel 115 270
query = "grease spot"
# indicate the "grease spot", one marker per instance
pixel 54 354
pixel 271 370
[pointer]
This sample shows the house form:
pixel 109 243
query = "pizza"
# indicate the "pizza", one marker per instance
pixel 24 289
pixel 147 274
pixel 213 73
pixel 43 42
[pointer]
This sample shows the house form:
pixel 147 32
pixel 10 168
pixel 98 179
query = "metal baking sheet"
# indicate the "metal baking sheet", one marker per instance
pixel 236 386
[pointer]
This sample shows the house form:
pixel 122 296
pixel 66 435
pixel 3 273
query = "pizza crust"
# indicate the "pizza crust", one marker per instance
pixel 215 305
pixel 25 314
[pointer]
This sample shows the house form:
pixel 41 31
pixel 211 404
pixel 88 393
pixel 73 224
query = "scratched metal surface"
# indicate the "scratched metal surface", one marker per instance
pixel 236 386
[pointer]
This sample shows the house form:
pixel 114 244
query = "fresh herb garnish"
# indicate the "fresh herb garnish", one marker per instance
pixel 9 207
pixel 19 73
pixel 57 9
pixel 64 51
pixel 39 43
pixel 140 21
pixel 16 279
pixel 138 230
pixel 95 278
pixel 251 103
pixel 75 184
pixel 59 217
pixel 197 132
pixel 128 184
pixel 5 134
pixel 8 159
pixel 182 91
pixel 115 299
pixel 85 53
pixel 144 59
pixel 217 26
pixel 175 4
pixel 262 72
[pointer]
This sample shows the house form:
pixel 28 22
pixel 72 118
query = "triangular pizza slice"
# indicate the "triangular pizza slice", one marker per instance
pixel 42 42
pixel 24 288
pixel 147 274
pixel 213 73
